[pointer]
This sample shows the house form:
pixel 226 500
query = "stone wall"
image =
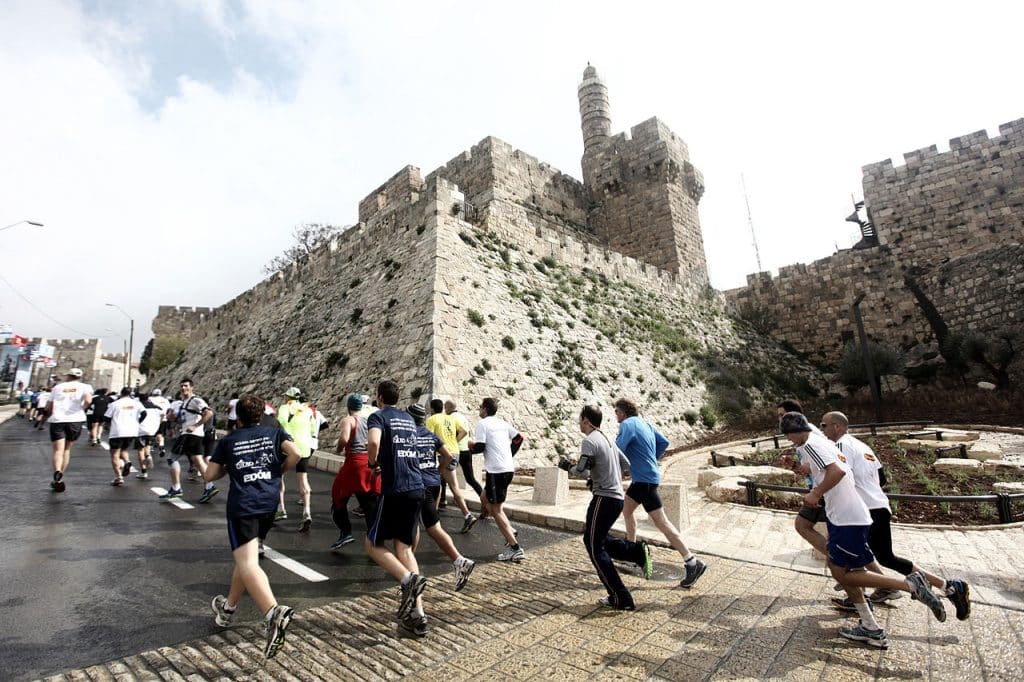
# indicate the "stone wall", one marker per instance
pixel 178 321
pixel 954 221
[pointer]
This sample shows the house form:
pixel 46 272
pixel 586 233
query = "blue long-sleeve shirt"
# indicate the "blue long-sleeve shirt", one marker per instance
pixel 642 445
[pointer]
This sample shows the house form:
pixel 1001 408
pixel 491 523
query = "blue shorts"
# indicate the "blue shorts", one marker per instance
pixel 848 546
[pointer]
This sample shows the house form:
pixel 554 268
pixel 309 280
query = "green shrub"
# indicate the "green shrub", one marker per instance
pixel 690 415
pixel 707 417
pixel 475 317
pixel 508 342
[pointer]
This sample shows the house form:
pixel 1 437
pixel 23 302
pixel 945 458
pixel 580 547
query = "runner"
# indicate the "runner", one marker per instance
pixel 643 447
pixel 232 413
pixel 157 398
pixel 123 415
pixel 465 456
pixel 429 446
pixel 806 517
pixel 605 463
pixel 190 414
pixel 499 441
pixel 354 477
pixel 391 448
pixel 95 416
pixel 148 429
pixel 42 400
pixel 24 401
pixel 299 421
pixel 253 457
pixel 849 524
pixel 869 478
pixel 67 417
pixel 448 430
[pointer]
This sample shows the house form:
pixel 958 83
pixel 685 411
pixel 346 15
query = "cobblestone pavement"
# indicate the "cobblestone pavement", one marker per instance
pixel 539 620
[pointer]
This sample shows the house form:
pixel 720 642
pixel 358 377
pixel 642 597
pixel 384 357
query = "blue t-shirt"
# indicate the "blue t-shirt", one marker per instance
pixel 428 444
pixel 252 457
pixel 398 456
pixel 643 446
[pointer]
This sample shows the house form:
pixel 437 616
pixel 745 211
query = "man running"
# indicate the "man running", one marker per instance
pixel 643 446
pixel 391 447
pixel 355 476
pixel 95 416
pixel 67 417
pixel 605 462
pixel 849 524
pixel 448 430
pixel 465 456
pixel 253 457
pixel 42 400
pixel 299 421
pixel 429 447
pixel 499 441
pixel 191 414
pixel 123 415
pixel 869 477
pixel 148 429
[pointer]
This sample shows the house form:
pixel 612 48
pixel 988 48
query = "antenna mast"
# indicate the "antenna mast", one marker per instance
pixel 750 221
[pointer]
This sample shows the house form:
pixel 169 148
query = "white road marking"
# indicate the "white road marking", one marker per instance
pixel 294 566
pixel 177 501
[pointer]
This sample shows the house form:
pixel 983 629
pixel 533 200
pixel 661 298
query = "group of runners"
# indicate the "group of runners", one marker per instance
pixel 397 462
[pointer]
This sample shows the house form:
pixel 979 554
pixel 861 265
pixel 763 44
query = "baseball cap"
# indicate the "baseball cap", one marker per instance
pixel 293 392
pixel 156 391
pixel 75 372
pixel 355 401
pixel 793 422
pixel 417 411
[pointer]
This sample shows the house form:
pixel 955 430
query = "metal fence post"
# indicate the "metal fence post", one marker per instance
pixel 1005 511
pixel 751 487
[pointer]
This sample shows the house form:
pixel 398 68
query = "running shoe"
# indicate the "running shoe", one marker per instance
pixel 959 592
pixel 142 476
pixel 859 633
pixel 149 461
pixel 280 617
pixel 409 591
pixel 221 615
pixel 126 469
pixel 344 539
pixel 208 494
pixel 58 482
pixel 922 592
pixel 305 524
pixel 415 626
pixel 468 523
pixel 609 604
pixel 646 562
pixel 844 604
pixel 693 573
pixel 117 481
pixel 192 476
pixel 280 515
pixel 510 554
pixel 462 571
pixel 172 494
pixel 882 595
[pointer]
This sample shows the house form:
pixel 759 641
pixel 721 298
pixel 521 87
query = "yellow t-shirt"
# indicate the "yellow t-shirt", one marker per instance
pixel 446 428
pixel 299 421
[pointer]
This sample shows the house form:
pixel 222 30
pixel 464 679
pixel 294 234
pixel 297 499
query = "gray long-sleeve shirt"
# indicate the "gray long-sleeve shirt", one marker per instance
pixel 605 462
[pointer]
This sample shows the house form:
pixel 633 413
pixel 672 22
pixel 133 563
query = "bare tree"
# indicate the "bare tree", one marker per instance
pixel 308 238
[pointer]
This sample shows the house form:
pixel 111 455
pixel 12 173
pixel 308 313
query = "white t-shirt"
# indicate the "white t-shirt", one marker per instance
pixel 42 399
pixel 314 441
pixel 232 413
pixel 151 422
pixel 124 414
pixel 189 413
pixel 843 505
pixel 497 435
pixel 162 403
pixel 67 400
pixel 865 466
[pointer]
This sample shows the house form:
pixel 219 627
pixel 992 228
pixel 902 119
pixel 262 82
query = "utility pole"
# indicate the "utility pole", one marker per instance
pixel 750 222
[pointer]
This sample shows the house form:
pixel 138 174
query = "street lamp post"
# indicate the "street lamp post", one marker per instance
pixel 124 349
pixel 131 339
pixel 33 223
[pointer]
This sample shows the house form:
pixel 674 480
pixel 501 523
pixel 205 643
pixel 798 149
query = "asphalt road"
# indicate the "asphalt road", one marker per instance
pixel 100 572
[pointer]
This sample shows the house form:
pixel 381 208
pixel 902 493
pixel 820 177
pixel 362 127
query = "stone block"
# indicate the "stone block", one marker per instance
pixel 994 465
pixel 727 490
pixel 550 486
pixel 984 450
pixel 673 499
pixel 956 464
pixel 708 475
pixel 1011 487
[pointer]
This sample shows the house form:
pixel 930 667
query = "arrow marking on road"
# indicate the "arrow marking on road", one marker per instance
pixel 177 501
pixel 294 566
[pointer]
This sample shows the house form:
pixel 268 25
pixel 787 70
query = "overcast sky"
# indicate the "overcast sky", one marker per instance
pixel 170 146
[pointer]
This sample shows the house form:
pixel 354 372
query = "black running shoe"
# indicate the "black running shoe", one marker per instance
pixel 414 626
pixel 692 574
pixel 922 592
pixel 58 482
pixel 410 590
pixel 126 469
pixel 468 523
pixel 959 592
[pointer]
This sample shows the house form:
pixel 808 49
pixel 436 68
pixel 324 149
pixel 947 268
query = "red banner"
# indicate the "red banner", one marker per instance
pixel 19 340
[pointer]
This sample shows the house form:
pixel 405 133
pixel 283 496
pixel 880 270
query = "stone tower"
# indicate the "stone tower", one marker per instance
pixel 643 189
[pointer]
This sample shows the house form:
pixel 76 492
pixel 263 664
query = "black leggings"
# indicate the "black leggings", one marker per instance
pixel 466 462
pixel 880 542
pixel 339 513
pixel 601 515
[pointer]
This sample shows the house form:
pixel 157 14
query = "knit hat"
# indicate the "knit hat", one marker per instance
pixel 793 422
pixel 417 412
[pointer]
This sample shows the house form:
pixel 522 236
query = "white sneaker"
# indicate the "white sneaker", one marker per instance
pixel 221 615
pixel 462 570
pixel 510 554
pixel 142 476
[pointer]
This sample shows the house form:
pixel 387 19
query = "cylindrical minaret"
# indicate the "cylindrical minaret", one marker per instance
pixel 595 114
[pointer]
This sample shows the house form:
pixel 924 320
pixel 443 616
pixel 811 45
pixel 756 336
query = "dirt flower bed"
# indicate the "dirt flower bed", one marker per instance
pixel 910 472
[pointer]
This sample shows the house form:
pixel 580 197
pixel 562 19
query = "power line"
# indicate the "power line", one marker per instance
pixel 44 313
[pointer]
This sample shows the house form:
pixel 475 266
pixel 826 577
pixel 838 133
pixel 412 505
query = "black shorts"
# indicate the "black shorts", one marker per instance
pixel 243 529
pixel 645 494
pixel 428 510
pixel 209 445
pixel 162 431
pixel 143 442
pixel 396 517
pixel 496 486
pixel 69 431
pixel 189 445
pixel 301 465
pixel 813 514
pixel 91 419
pixel 121 443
